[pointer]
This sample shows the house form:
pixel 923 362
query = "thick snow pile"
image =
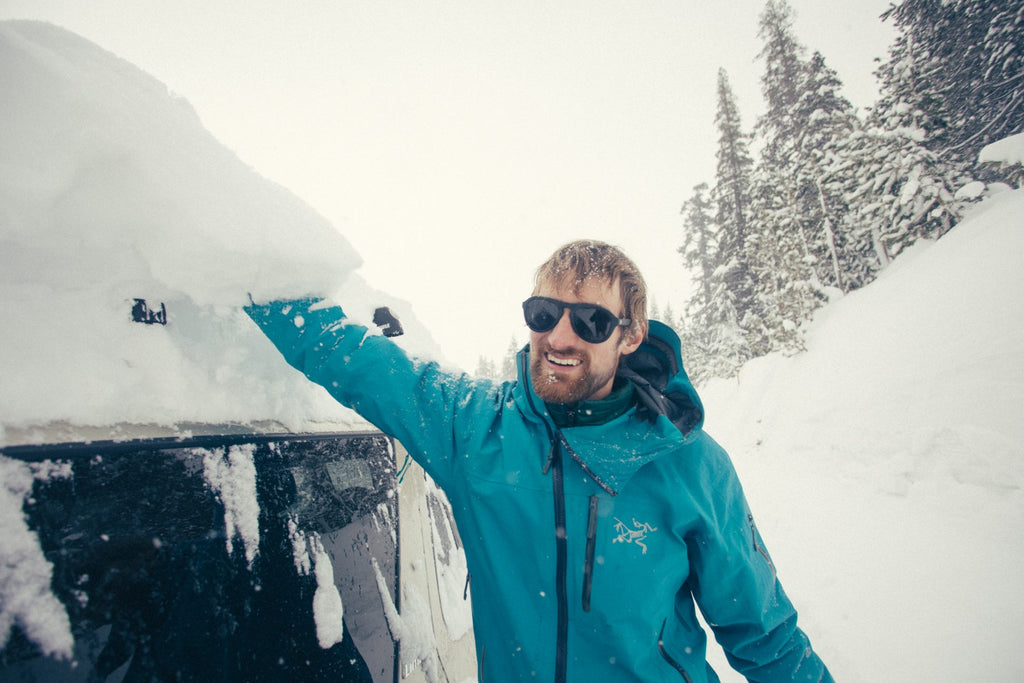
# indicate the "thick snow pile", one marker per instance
pixel 885 464
pixel 111 190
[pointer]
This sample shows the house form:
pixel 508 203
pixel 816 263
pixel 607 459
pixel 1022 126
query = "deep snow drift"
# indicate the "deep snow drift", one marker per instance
pixel 884 464
pixel 112 190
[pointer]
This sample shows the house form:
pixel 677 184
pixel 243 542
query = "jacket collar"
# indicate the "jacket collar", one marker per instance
pixel 669 412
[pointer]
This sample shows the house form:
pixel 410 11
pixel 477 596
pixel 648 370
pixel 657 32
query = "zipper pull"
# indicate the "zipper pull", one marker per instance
pixel 551 458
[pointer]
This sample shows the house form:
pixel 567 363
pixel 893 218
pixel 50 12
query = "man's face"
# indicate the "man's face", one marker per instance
pixel 566 369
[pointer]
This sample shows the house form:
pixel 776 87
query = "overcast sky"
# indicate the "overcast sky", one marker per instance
pixel 457 143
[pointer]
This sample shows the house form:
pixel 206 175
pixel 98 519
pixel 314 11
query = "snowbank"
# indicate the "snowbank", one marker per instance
pixel 885 466
pixel 114 199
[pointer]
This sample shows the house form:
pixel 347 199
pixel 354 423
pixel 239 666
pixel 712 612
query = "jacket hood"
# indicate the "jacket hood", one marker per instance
pixel 668 412
pixel 663 387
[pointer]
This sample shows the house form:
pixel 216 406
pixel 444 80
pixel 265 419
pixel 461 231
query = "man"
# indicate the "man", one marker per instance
pixel 595 513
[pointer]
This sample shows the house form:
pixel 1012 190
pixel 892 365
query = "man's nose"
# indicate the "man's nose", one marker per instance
pixel 562 335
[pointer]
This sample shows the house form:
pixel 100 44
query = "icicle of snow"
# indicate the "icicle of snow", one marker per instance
pixel 328 610
pixel 300 547
pixel 25 573
pixel 232 477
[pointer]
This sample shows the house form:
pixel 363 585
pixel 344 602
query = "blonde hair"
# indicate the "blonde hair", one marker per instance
pixel 573 264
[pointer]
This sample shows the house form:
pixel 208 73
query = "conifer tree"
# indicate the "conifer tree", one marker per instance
pixel 711 331
pixel 655 310
pixel 958 66
pixel 669 317
pixel 905 192
pixel 806 125
pixel 790 237
pixel 945 92
pixel 698 252
pixel 781 83
pixel 823 180
pixel 732 216
pixel 508 364
pixel 485 368
pixel 788 289
pixel 699 245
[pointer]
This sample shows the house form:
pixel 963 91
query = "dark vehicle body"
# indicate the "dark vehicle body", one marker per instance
pixel 158 587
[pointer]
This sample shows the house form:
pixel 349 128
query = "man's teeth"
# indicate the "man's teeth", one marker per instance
pixel 564 362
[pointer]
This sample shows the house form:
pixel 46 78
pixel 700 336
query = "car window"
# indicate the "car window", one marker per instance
pixel 205 559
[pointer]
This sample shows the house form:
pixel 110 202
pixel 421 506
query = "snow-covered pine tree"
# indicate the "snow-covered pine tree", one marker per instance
pixel 731 196
pixel 485 368
pixel 959 65
pixel 842 260
pixel 699 246
pixel 921 139
pixel 508 363
pixel 788 287
pixel 789 236
pixel 1003 94
pixel 806 123
pixel 904 191
pixel 669 317
pixel 710 334
pixel 654 310
pixel 781 83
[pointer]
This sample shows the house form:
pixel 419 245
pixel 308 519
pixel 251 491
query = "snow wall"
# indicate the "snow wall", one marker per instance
pixel 130 239
pixel 115 201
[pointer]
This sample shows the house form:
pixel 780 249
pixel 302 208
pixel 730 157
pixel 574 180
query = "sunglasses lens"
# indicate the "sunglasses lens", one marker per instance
pixel 541 315
pixel 593 325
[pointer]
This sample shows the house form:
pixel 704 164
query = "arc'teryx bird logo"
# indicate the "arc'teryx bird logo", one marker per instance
pixel 637 535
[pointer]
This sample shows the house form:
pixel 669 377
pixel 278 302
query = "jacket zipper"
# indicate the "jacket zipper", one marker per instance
pixel 562 643
pixel 588 567
pixel 757 546
pixel 668 658
pixel 554 464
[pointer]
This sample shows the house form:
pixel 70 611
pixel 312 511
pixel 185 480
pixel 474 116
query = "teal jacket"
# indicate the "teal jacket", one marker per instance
pixel 589 548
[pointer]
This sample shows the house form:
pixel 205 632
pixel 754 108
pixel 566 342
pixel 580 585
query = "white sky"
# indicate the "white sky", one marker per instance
pixel 457 143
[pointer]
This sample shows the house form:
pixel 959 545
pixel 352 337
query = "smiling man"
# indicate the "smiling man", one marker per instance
pixel 596 513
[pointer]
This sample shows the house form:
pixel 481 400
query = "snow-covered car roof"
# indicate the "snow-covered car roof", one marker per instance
pixel 131 239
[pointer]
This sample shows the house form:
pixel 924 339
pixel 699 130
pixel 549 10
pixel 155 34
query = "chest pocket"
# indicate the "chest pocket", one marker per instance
pixel 630 556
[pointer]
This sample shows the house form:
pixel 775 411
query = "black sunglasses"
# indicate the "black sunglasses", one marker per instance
pixel 591 323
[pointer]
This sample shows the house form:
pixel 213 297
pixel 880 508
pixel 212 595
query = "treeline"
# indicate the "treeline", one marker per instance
pixel 831 196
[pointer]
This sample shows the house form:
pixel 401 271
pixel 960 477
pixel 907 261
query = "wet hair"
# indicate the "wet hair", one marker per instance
pixel 574 264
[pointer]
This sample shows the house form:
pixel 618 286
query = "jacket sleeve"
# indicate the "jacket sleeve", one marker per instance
pixel 413 401
pixel 733 581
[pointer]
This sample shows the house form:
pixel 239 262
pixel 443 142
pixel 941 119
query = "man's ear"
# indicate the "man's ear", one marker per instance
pixel 632 338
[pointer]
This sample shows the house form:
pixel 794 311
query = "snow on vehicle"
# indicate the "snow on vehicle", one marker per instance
pixel 174 503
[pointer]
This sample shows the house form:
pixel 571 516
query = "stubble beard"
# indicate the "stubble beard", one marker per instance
pixel 554 389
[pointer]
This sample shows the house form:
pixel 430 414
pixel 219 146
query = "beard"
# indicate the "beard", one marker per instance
pixel 554 389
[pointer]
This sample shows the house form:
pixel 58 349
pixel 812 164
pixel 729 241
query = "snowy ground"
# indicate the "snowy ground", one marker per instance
pixel 884 464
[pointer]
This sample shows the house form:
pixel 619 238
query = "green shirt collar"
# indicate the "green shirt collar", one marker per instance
pixel 588 413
